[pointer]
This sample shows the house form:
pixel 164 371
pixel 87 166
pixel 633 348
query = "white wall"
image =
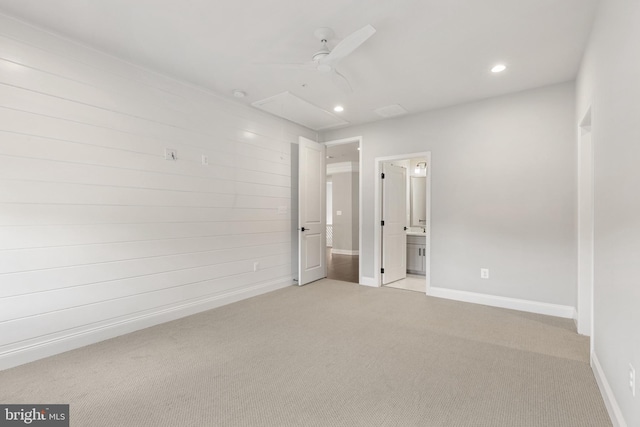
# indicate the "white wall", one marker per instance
pixel 503 192
pixel 345 226
pixel 609 82
pixel 99 234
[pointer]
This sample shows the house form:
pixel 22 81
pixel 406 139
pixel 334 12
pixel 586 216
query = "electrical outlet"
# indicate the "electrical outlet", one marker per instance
pixel 484 273
pixel 256 265
pixel 632 380
pixel 170 154
pixel 205 160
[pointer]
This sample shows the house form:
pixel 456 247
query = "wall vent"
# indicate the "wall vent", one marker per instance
pixel 392 110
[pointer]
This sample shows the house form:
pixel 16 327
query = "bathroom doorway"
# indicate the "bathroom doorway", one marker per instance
pixel 343 209
pixel 416 255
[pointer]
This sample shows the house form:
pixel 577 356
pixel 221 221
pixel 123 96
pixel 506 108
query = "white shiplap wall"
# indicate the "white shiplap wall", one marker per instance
pixel 99 234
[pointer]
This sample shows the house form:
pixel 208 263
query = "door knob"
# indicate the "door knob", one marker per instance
pixel 302 229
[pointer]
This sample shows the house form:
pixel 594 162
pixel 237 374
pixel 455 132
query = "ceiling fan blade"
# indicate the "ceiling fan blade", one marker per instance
pixel 312 66
pixel 341 81
pixel 349 44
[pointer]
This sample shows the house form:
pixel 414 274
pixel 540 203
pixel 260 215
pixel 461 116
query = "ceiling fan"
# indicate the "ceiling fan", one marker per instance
pixel 325 59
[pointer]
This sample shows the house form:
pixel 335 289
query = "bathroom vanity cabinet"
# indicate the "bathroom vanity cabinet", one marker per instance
pixel 416 254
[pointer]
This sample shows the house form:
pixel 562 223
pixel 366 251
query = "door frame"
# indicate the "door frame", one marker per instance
pixel 586 220
pixel 359 140
pixel 377 236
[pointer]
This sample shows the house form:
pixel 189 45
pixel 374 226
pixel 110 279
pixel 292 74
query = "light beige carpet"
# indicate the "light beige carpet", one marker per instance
pixel 327 354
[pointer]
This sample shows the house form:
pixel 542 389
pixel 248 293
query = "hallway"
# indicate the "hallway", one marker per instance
pixel 342 267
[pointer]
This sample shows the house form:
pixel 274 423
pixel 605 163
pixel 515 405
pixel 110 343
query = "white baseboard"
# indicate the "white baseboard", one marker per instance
pixel 92 335
pixel 369 281
pixel 607 394
pixel 504 302
pixel 344 252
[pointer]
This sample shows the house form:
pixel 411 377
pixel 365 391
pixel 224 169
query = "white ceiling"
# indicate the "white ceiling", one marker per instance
pixel 425 54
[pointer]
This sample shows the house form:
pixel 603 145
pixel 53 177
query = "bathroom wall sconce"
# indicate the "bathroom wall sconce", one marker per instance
pixel 421 168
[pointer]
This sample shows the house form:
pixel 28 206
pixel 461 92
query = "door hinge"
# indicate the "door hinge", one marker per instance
pixel 382 175
pixel 382 270
pixel 382 223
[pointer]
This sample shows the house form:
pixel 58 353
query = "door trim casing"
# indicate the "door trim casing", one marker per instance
pixel 585 223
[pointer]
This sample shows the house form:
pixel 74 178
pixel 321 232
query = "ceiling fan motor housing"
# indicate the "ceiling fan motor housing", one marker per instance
pixel 323 34
pixel 321 54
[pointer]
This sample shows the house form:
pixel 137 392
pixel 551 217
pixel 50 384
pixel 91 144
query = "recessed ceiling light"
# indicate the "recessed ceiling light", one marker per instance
pixel 338 108
pixel 498 68
pixel 239 94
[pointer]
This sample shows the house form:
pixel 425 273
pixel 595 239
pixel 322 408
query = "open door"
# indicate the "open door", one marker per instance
pixel 312 255
pixel 394 218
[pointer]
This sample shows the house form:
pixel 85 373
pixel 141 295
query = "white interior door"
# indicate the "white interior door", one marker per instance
pixel 312 262
pixel 394 217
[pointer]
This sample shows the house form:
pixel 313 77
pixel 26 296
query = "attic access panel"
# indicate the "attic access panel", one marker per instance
pixel 288 106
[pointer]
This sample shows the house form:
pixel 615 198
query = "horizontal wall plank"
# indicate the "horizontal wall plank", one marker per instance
pixel 26 214
pixel 74 176
pixel 62 235
pixel 45 192
pixel 30 282
pixel 22 260
pixel 63 171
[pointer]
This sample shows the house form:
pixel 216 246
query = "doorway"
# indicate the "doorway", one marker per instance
pixel 343 209
pixel 418 229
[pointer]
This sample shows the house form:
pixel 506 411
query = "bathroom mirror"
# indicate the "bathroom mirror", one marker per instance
pixel 418 201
